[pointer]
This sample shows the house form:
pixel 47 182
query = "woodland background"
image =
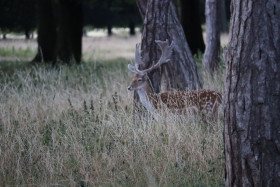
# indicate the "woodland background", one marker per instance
pixel 66 117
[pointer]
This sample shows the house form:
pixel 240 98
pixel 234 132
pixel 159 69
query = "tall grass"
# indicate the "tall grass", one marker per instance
pixel 74 126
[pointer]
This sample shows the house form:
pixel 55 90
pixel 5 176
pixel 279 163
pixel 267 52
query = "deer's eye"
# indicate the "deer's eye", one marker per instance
pixel 139 80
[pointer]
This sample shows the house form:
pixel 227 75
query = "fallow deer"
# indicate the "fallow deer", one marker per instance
pixel 206 101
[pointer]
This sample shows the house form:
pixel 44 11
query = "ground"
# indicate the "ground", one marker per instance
pixel 74 125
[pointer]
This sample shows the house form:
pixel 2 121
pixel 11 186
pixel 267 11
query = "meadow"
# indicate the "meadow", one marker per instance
pixel 74 126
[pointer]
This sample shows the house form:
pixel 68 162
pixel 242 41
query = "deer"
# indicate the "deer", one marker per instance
pixel 201 100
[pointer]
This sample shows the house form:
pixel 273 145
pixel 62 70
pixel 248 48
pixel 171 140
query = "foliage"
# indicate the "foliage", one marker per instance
pixel 20 15
pixel 17 15
pixel 101 13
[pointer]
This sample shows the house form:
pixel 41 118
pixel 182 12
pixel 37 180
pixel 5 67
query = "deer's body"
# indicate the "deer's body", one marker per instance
pixel 206 101
pixel 198 100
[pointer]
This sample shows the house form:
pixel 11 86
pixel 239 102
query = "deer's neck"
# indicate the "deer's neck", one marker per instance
pixel 145 93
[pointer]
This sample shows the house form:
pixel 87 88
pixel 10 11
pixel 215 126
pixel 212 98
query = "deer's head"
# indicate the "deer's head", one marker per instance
pixel 141 79
pixel 138 81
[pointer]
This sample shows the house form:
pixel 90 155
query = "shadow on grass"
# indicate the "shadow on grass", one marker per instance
pixel 11 66
pixel 85 69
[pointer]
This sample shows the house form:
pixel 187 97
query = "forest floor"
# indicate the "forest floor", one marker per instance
pixel 74 126
pixel 103 48
pixel 96 45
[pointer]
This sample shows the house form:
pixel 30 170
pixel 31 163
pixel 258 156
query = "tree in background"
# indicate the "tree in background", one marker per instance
pixel 99 14
pixel 69 31
pixel 46 32
pixel 27 21
pixel 191 23
pixel 17 16
pixel 212 52
pixel 7 18
pixel 59 31
pixel 252 95
pixel 129 14
pixel 161 22
pixel 109 14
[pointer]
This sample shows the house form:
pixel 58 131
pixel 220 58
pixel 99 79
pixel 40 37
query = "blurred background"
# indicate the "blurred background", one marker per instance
pixel 85 30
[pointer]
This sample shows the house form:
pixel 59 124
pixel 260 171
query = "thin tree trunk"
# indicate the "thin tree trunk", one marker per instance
pixel 46 32
pixel 109 30
pixel 27 34
pixel 160 23
pixel 191 23
pixel 131 28
pixel 252 95
pixel 212 52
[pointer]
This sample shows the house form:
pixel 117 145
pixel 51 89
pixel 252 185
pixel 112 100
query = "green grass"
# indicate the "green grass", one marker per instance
pixel 74 126
pixel 17 52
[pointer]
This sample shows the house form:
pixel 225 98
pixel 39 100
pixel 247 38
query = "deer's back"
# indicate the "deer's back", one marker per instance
pixel 197 99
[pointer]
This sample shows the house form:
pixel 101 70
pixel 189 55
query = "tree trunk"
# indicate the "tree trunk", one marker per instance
pixel 131 28
pixel 142 5
pixel 109 30
pixel 161 23
pixel 64 40
pixel 46 32
pixel 70 29
pixel 252 95
pixel 212 52
pixel 191 23
pixel 223 17
pixel 27 34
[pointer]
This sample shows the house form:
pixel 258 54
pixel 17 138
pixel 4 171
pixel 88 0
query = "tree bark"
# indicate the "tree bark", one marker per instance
pixel 191 23
pixel 142 7
pixel 46 32
pixel 252 95
pixel 212 52
pixel 161 23
pixel 70 30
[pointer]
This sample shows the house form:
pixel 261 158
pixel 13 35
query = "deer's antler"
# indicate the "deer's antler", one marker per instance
pixel 138 61
pixel 166 53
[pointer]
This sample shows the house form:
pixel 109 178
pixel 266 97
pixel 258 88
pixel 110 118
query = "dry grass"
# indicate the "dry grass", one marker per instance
pixel 74 126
